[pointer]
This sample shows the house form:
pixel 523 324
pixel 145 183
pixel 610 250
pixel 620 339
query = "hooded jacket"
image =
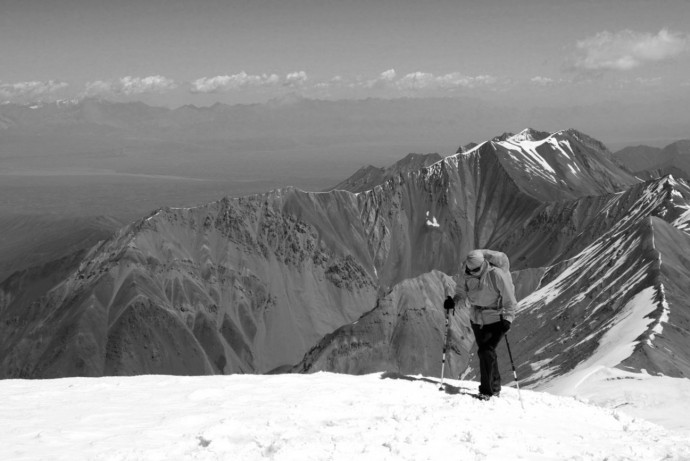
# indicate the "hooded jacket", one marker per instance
pixel 489 294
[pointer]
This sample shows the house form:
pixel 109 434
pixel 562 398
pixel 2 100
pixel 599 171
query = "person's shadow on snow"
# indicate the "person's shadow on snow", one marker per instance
pixel 448 388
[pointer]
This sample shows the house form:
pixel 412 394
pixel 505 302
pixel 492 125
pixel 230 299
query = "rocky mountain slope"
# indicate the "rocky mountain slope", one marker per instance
pixel 619 293
pixel 251 284
pixel 622 295
pixel 403 333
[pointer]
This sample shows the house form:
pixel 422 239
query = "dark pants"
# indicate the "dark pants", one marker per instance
pixel 488 337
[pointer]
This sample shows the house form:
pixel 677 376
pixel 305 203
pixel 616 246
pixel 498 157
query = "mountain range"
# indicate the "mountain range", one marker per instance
pixel 349 280
pixel 653 162
pixel 292 133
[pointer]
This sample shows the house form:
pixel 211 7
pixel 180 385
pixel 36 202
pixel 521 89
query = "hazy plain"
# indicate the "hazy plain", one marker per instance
pixel 52 204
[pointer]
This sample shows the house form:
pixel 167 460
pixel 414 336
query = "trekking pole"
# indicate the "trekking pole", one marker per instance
pixel 517 383
pixel 446 343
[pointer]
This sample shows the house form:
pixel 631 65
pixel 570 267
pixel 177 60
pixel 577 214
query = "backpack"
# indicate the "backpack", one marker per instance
pixel 497 259
pixel 500 261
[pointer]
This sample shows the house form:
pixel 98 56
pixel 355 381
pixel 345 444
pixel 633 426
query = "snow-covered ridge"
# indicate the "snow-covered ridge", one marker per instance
pixel 610 298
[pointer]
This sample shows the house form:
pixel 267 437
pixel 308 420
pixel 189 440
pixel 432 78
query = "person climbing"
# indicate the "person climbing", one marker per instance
pixel 486 287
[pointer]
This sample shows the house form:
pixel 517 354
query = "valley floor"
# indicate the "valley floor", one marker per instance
pixel 314 417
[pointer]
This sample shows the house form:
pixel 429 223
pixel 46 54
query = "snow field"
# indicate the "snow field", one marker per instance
pixel 322 416
pixel 661 399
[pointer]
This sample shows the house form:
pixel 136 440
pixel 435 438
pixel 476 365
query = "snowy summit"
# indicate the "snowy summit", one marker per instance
pixel 324 416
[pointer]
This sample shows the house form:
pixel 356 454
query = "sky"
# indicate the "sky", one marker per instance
pixel 175 52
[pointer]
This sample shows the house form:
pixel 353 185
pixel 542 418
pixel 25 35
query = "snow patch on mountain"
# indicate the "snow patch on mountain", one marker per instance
pixel 683 221
pixel 432 222
pixel 616 345
pixel 535 163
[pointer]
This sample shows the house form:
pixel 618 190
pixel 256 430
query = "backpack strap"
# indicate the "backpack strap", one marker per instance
pixel 492 280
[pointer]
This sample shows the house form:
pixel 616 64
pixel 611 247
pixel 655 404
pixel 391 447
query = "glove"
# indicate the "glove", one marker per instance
pixel 506 325
pixel 449 304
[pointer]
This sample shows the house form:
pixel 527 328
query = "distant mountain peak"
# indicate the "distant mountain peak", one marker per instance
pixel 466 148
pixel 369 176
pixel 563 165
pixel 530 134
pixel 653 162
pixel 503 137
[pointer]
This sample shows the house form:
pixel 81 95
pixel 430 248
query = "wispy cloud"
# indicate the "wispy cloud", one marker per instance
pixel 30 90
pixel 152 84
pixel 542 81
pixel 130 86
pixel 626 50
pixel 420 81
pixel 223 83
pixel 428 81
pixel 243 80
pixel 384 79
pixel 296 78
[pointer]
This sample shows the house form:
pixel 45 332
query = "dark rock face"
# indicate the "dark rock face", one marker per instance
pixel 252 284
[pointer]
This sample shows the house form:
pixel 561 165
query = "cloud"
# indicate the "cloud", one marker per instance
pixel 415 81
pixel 388 81
pixel 388 76
pixel 542 81
pixel 223 83
pixel 30 90
pixel 153 84
pixel 98 88
pixel 129 86
pixel 418 81
pixel 626 50
pixel 296 78
pixel 383 80
pixel 243 80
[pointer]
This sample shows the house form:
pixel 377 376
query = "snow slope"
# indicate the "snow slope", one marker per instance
pixel 321 416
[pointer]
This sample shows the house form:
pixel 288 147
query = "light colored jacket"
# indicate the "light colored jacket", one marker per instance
pixel 489 294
